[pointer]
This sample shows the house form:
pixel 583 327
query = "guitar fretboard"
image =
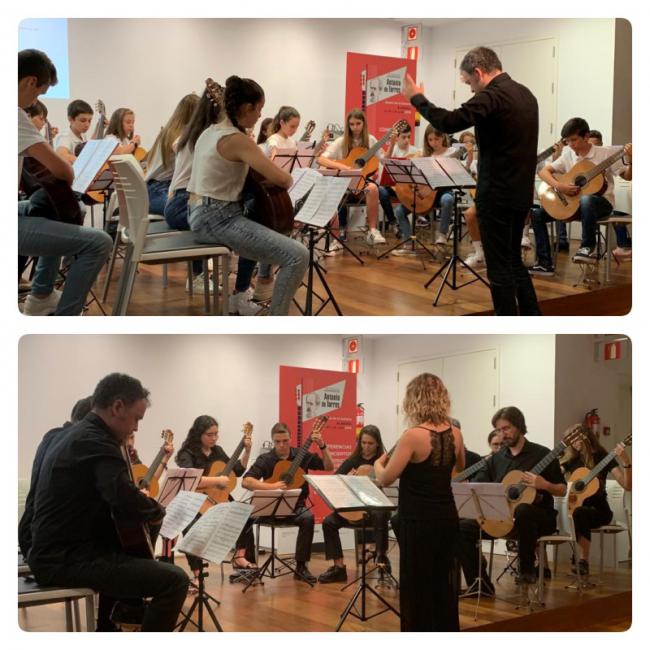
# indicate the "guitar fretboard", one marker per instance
pixel 233 459
pixel 469 471
pixel 602 166
pixel 603 463
pixel 549 458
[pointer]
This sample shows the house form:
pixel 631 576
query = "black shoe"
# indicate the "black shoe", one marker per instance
pixel 583 568
pixel 563 247
pixel 547 572
pixel 128 613
pixel 539 269
pixel 334 574
pixel 384 564
pixel 303 573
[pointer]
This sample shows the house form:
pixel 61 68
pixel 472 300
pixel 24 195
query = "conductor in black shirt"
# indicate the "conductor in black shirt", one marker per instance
pixel 83 480
pixel 505 116
pixel 530 520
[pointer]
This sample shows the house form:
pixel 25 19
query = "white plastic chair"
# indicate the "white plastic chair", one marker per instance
pixel 177 246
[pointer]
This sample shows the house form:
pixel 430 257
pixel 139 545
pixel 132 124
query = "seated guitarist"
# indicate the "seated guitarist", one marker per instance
pixel 594 511
pixel 135 459
pixel 83 480
pixel 575 134
pixel 530 520
pixel 199 450
pixel 369 448
pixel 262 469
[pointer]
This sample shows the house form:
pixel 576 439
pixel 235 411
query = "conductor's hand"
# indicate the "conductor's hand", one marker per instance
pixel 279 485
pixel 410 88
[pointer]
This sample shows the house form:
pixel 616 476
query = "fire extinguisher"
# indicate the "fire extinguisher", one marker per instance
pixel 360 417
pixel 592 420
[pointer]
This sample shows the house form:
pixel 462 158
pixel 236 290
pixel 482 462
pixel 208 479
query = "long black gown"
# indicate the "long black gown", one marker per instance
pixel 428 533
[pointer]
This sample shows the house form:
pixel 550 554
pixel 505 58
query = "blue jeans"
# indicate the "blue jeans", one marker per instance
pixel 175 214
pixel 446 210
pixel 592 208
pixel 157 196
pixel 385 196
pixel 49 240
pixel 622 236
pixel 223 222
pixel 402 215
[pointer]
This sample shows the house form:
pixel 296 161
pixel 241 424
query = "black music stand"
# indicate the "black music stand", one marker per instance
pixel 457 184
pixel 201 602
pixel 290 159
pixel 270 508
pixel 404 171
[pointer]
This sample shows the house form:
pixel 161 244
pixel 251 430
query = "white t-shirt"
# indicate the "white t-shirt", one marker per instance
pixel 277 141
pixel 156 171
pixel 596 155
pixel 334 149
pixel 27 136
pixel 68 140
pixel 182 169
pixel 404 153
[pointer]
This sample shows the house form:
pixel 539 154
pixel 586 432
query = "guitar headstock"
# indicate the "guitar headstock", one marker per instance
pixel 628 440
pixel 168 436
pixel 573 434
pixel 215 91
pixel 100 107
pixel 399 127
pixel 247 429
pixel 309 129
pixel 319 424
pixel 334 130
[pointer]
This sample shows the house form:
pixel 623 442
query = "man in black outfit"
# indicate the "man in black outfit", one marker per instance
pixel 83 480
pixel 531 520
pixel 505 115
pixel 262 469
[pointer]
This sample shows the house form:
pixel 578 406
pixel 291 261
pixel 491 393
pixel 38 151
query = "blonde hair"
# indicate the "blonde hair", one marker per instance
pixel 357 114
pixel 172 130
pixel 590 445
pixel 426 400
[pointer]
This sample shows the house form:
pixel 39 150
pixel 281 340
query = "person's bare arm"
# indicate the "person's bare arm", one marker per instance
pixel 63 152
pixel 59 168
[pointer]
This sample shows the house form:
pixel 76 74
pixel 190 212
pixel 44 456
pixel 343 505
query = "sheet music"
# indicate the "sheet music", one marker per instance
pixel 265 502
pixel 216 532
pixel 180 512
pixel 455 169
pixel 91 159
pixel 367 491
pixel 323 201
pixel 404 171
pixel 177 479
pixel 433 172
pixel 335 492
pixel 303 181
pixel 491 497
pixel 284 158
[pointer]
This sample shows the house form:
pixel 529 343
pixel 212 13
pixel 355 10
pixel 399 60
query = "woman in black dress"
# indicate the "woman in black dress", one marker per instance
pixel 428 522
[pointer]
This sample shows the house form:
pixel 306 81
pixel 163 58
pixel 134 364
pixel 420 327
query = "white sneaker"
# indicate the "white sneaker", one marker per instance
pixel 334 247
pixel 263 291
pixel 441 239
pixel 375 237
pixel 525 242
pixel 242 304
pixel 475 261
pixel 197 284
pixel 406 249
pixel 41 306
pixel 421 222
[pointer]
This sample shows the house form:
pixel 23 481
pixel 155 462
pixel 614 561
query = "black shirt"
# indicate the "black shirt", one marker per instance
pixel 499 464
pixel 354 463
pixel 471 458
pixel 25 525
pixel 599 499
pixel 505 115
pixel 198 460
pixel 83 477
pixel 263 466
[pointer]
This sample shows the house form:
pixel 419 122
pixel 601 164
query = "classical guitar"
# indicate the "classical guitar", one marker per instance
pixel 519 492
pixel 589 178
pixel 291 472
pixel 419 201
pixel 309 129
pixel 543 155
pixel 134 535
pixel 143 476
pixel 584 482
pixel 468 472
pixel 273 207
pixel 365 158
pixel 219 468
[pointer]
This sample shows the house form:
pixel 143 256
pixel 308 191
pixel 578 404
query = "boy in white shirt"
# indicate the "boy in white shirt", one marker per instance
pixel 575 134
pixel 80 115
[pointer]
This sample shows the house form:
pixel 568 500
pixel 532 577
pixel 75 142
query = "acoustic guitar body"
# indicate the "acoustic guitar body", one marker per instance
pixel 580 491
pixel 563 207
pixel 353 161
pixel 280 474
pixel 517 494
pixel 362 470
pixel 424 197
pixel 139 472
pixel 217 495
pixel 273 207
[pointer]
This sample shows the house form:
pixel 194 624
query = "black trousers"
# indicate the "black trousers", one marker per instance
pixel 587 517
pixel 304 519
pixel 513 293
pixel 119 576
pixel 531 522
pixel 334 522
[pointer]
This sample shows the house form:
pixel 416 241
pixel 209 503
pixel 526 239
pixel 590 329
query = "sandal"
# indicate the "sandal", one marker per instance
pixel 242 563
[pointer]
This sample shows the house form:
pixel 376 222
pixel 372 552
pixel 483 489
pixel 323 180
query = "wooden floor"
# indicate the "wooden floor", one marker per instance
pixel 285 605
pixel 394 286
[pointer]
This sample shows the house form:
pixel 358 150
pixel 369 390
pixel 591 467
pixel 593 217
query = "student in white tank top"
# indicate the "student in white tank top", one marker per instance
pixel 222 157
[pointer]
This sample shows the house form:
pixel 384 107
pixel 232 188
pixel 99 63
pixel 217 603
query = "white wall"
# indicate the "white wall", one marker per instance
pixel 526 376
pixel 586 61
pixel 149 64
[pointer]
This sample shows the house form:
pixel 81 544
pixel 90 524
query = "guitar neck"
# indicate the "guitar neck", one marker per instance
pixel 376 147
pixel 154 466
pixel 601 167
pixel 603 463
pixel 543 155
pixel 549 458
pixel 469 471
pixel 233 459
pixel 300 456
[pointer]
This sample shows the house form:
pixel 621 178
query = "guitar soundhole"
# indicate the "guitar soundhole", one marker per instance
pixel 286 477
pixel 579 486
pixel 359 162
pixel 580 181
pixel 513 493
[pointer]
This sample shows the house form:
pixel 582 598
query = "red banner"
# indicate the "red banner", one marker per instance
pixel 374 84
pixel 306 393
